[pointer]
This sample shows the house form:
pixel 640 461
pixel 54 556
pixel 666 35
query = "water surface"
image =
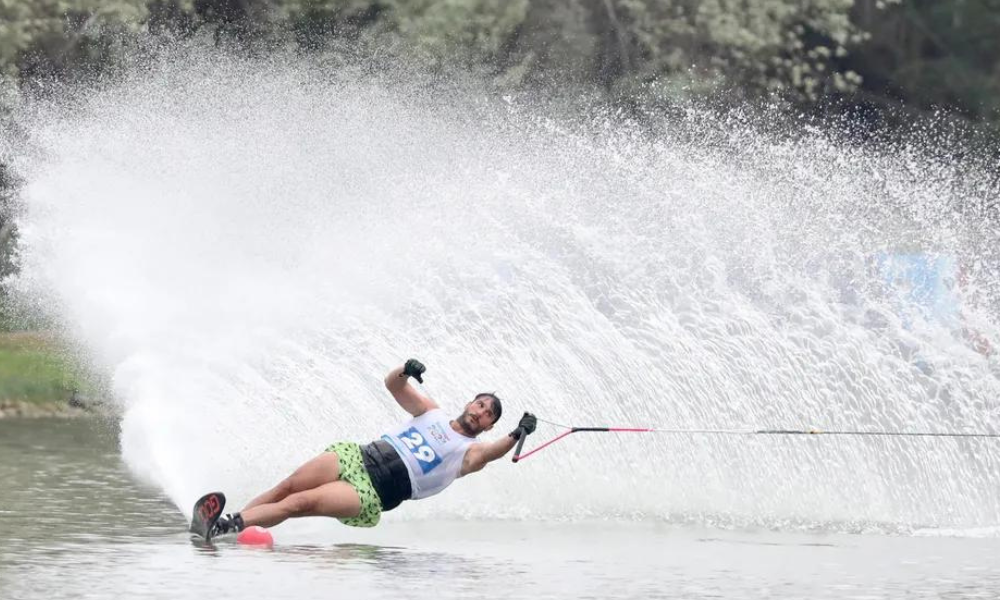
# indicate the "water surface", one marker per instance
pixel 75 524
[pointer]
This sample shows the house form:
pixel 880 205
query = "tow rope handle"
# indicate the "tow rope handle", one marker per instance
pixel 518 456
pixel 520 442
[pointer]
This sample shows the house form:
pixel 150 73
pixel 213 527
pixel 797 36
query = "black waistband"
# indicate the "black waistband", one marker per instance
pixel 388 473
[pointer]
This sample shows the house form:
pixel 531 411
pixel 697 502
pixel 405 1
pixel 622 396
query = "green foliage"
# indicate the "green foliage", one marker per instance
pixel 480 29
pixel 926 52
pixel 57 37
pixel 32 370
pixel 556 36
pixel 315 23
pixel 936 54
pixel 759 46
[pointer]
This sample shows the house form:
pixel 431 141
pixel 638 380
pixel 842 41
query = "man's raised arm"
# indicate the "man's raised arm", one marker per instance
pixel 479 455
pixel 397 382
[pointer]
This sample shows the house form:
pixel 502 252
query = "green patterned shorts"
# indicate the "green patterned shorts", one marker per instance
pixel 352 470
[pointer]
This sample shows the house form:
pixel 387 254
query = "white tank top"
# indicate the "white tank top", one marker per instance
pixel 431 450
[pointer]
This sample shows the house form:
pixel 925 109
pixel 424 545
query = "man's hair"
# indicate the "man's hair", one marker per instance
pixel 497 405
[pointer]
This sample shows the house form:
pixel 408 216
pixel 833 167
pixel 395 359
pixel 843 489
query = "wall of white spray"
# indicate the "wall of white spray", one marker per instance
pixel 244 250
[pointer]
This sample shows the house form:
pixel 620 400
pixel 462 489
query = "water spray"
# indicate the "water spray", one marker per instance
pixel 740 432
pixel 222 237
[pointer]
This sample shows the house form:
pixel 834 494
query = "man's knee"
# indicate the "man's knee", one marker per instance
pixel 299 505
pixel 285 488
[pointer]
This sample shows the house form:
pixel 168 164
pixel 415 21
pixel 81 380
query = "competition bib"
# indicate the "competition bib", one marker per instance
pixel 413 441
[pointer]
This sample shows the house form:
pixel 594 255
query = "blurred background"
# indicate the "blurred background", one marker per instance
pixel 222 222
pixel 917 55
pixel 878 65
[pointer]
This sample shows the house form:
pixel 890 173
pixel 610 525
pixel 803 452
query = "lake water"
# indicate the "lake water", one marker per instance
pixel 75 524
pixel 239 250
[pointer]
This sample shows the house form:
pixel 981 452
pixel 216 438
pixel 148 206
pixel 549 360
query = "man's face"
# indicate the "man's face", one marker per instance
pixel 478 416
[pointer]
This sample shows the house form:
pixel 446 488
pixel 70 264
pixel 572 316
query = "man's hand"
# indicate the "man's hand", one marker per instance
pixel 415 369
pixel 398 383
pixel 478 455
pixel 526 426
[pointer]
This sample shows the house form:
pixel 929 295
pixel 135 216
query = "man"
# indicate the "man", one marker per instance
pixel 356 484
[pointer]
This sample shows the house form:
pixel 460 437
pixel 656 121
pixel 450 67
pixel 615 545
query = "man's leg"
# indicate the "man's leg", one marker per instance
pixel 338 499
pixel 318 471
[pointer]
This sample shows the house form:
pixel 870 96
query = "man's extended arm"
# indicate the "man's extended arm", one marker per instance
pixel 479 455
pixel 397 382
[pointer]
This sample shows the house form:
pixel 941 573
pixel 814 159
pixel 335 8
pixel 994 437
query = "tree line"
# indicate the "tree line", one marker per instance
pixel 914 55
pixel 871 57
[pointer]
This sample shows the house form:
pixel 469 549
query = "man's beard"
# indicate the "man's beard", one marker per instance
pixel 465 421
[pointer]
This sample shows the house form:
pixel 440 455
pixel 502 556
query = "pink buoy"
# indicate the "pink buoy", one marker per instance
pixel 255 535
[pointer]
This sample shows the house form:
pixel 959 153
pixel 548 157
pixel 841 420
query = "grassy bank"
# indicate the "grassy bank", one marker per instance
pixel 35 375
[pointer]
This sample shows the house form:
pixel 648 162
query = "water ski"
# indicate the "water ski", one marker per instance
pixel 207 511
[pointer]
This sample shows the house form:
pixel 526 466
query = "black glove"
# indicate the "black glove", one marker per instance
pixel 525 425
pixel 414 368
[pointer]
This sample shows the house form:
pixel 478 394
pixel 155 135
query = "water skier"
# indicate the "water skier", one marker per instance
pixel 356 484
